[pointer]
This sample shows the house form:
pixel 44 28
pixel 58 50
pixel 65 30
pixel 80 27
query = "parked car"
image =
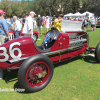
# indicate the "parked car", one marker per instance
pixel 35 62
pixel 35 34
pixel 98 23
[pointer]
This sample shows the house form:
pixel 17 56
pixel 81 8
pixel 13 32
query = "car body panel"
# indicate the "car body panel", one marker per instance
pixel 65 45
pixel 22 34
pixel 98 23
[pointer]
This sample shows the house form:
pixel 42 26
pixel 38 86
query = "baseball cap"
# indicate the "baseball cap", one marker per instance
pixel 32 12
pixel 60 15
pixel 38 15
pixel 2 12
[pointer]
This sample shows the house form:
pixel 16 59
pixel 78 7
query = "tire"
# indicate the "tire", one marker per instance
pixel 34 37
pixel 35 73
pixel 97 53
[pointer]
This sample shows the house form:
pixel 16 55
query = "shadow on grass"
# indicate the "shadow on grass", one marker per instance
pixel 18 89
pixel 12 76
pixel 88 59
pixel 67 61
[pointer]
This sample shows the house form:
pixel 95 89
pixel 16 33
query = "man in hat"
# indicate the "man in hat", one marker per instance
pixel 3 33
pixel 3 28
pixel 57 23
pixel 28 26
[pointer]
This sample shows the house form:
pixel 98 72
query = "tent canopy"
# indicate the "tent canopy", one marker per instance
pixel 77 14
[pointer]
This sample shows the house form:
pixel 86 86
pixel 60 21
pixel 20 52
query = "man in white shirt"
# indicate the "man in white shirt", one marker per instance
pixel 18 27
pixel 28 26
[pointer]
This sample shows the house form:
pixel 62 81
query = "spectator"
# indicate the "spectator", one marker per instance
pixel 57 23
pixel 28 26
pixel 35 26
pixel 47 23
pixel 8 22
pixel 85 24
pixel 93 24
pixel 65 18
pixel 3 32
pixel 54 17
pixel 39 24
pixel 11 20
pixel 50 20
pixel 23 21
pixel 18 27
pixel 88 22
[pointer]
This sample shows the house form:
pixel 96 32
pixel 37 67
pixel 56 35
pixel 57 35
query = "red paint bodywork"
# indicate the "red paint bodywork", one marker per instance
pixel 28 49
pixel 22 34
pixel 98 23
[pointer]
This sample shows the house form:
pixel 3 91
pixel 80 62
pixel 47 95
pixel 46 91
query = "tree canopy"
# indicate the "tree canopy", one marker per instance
pixel 47 7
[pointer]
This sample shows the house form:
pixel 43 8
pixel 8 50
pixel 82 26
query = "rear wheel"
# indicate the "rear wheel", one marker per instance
pixel 97 53
pixel 35 73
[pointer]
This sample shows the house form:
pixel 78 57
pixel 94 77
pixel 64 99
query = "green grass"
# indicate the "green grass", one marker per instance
pixel 76 79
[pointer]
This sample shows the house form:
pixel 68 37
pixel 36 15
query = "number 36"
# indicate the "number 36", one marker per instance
pixel 11 52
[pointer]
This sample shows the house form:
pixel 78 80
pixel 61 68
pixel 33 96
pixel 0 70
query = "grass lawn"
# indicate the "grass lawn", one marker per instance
pixel 76 79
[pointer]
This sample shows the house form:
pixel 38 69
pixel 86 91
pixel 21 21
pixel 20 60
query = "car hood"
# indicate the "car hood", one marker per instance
pixel 70 25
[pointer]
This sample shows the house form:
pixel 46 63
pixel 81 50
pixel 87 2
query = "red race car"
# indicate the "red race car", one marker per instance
pixel 35 63
pixel 98 23
pixel 35 34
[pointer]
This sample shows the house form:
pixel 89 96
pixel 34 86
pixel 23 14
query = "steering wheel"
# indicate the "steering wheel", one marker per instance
pixel 48 39
pixel 51 39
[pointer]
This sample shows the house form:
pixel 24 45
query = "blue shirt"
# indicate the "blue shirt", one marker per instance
pixel 3 24
pixel 11 21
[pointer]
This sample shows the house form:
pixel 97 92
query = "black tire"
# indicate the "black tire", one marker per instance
pixel 26 73
pixel 35 37
pixel 97 53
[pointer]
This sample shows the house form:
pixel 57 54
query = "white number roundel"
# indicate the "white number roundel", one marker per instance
pixel 6 56
pixel 12 50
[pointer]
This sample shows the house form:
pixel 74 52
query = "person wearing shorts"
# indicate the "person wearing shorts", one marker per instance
pixel 93 24
pixel 39 28
pixel 39 24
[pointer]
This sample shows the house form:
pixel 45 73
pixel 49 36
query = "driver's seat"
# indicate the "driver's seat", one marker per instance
pixel 48 42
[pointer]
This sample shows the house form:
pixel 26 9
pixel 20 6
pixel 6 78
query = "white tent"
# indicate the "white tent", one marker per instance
pixel 90 14
pixel 68 15
pixel 77 14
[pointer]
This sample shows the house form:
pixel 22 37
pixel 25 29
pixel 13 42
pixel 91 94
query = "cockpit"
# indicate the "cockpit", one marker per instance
pixel 48 41
pixel 50 38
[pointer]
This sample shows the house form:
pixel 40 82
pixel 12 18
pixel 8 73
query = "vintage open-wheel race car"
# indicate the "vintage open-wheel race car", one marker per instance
pixel 35 62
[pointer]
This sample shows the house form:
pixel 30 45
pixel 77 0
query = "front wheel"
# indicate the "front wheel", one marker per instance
pixel 35 73
pixel 97 53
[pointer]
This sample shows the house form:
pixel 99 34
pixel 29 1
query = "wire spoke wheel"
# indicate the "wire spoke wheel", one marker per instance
pixel 37 74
